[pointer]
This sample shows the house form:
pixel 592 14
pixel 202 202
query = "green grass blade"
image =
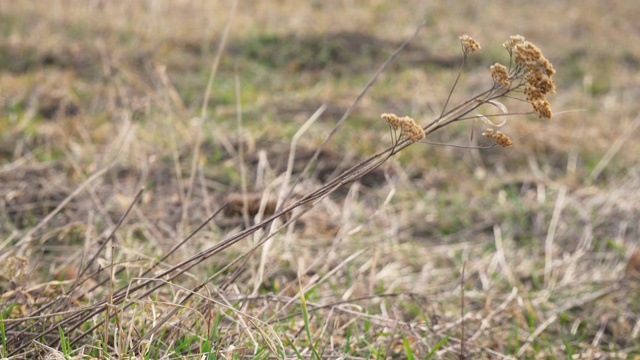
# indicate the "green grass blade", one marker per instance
pixel 438 346
pixel 307 327
pixel 407 348
pixel 295 349
pixel 4 352
pixel 64 344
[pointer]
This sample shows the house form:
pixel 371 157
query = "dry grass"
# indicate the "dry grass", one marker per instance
pixel 102 99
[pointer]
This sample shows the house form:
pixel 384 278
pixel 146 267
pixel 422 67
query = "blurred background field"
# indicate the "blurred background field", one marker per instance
pixel 547 230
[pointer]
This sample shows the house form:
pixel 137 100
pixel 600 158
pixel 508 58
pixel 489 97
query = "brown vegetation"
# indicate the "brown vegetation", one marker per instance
pixel 183 178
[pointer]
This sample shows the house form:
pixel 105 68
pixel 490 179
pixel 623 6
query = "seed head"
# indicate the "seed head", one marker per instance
pixel 513 40
pixel 499 74
pixel 542 108
pixel 469 45
pixel 538 74
pixel 502 139
pixel 498 136
pixel 406 124
pixel 488 133
pixel 392 119
pixel 410 129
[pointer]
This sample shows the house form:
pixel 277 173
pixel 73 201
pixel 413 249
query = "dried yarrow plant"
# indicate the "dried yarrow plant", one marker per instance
pixel 529 73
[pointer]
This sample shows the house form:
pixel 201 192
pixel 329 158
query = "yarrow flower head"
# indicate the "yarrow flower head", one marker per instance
pixel 407 125
pixel 500 75
pixel 392 119
pixel 498 136
pixel 536 71
pixel 513 41
pixel 410 129
pixel 469 45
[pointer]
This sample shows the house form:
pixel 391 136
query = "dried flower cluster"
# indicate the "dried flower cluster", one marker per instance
pixel 469 45
pixel 406 124
pixel 529 71
pixel 500 75
pixel 538 73
pixel 392 119
pixel 513 41
pixel 498 136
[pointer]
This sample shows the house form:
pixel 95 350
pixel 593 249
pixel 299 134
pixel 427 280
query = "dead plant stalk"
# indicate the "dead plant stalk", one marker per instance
pixel 529 73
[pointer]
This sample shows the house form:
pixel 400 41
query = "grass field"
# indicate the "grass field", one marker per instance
pixel 148 149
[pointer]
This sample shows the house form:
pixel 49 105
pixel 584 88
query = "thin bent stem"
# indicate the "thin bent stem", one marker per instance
pixel 444 108
pixel 351 107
